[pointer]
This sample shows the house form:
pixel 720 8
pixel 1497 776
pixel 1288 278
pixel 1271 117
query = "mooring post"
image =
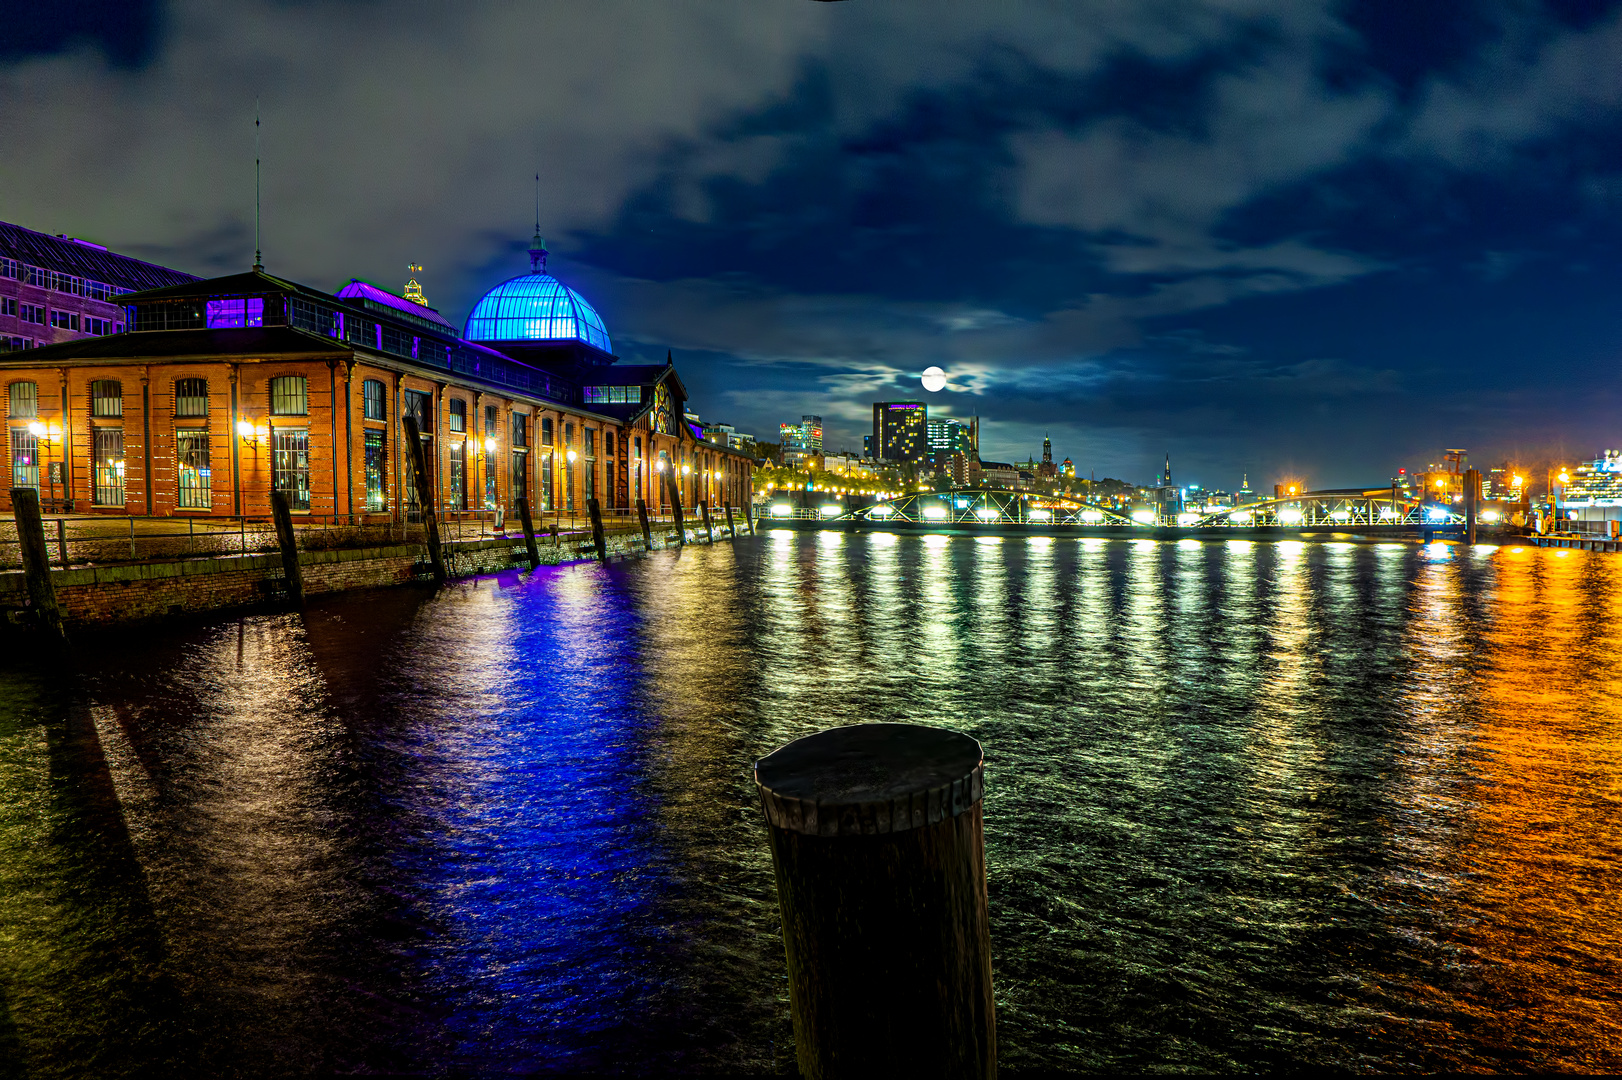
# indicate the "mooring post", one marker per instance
pixel 704 508
pixel 1472 495
pixel 282 512
pixel 131 520
pixel 642 516
pixel 530 549
pixel 36 560
pixel 425 498
pixel 878 842
pixel 595 509
pixel 62 540
pixel 732 530
pixel 675 508
pixel 749 516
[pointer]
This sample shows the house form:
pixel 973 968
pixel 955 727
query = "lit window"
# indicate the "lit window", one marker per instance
pixel 24 399
pixel 289 396
pixel 191 397
pixel 107 399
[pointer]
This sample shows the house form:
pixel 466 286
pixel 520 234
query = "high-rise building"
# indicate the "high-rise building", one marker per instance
pixel 900 431
pixel 947 437
pixel 802 441
pixel 55 289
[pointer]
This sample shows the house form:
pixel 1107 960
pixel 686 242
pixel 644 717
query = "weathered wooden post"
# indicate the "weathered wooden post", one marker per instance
pixel 878 842
pixel 36 560
pixel 749 516
pixel 595 509
pixel 642 517
pixel 281 511
pixel 530 549
pixel 732 529
pixel 675 507
pixel 704 508
pixel 425 498
pixel 62 540
pixel 1472 495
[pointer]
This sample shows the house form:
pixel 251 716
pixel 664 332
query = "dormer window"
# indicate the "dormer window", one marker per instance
pixel 235 313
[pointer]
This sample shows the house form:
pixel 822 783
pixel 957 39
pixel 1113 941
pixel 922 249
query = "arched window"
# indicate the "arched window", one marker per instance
pixel 107 399
pixel 191 397
pixel 289 396
pixel 24 398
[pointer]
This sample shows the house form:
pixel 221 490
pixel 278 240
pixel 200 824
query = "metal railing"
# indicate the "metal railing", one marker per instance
pixel 108 539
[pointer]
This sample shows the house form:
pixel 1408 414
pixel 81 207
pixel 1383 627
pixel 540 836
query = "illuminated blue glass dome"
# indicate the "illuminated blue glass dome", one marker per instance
pixel 536 307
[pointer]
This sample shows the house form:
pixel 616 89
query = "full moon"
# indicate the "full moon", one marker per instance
pixel 934 379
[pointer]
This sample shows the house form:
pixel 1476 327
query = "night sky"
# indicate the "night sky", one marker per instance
pixel 1316 239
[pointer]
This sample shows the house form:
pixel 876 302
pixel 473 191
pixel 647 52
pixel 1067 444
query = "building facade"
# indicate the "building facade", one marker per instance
pixel 801 443
pixel 1593 494
pixel 55 288
pixel 947 437
pixel 219 391
pixel 900 432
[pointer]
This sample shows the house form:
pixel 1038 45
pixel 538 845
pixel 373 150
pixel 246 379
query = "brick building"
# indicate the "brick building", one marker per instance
pixel 55 288
pixel 217 391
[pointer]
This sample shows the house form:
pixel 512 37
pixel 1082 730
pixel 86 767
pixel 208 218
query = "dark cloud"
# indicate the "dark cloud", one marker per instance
pixel 125 32
pixel 1323 236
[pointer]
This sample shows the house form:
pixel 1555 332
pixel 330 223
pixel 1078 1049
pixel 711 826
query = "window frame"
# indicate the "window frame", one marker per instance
pixel 280 398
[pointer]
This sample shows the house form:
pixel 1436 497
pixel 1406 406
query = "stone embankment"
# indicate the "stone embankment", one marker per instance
pixel 101 595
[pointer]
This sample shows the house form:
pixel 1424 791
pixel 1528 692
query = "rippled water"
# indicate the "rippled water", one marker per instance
pixel 1250 806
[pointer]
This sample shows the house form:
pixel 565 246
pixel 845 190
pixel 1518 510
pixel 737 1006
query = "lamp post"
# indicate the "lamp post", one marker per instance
pixel 42 442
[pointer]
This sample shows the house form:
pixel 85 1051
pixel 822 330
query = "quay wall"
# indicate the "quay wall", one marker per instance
pixel 134 592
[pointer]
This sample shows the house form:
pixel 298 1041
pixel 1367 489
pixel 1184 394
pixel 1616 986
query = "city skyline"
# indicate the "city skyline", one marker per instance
pixel 1319 240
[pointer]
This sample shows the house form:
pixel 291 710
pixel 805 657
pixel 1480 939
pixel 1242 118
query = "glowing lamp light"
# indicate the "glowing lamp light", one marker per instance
pixel 1436 513
pixel 1092 517
pixel 882 511
pixel 490 446
pixel 1041 515
pixel 935 513
pixel 1240 517
pixel 1143 517
pixel 781 509
pixel 1188 519
pixel 1340 515
pixel 659 466
pixel 1518 481
pixel 832 510
pixel 1565 477
pixel 985 513
pixel 1290 515
pixel 685 469
pixel 37 429
pixel 1489 515
pixel 245 429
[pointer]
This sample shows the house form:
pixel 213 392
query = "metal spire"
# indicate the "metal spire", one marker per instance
pixel 258 255
pixel 537 246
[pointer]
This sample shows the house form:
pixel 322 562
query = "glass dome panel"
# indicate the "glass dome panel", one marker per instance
pixel 536 307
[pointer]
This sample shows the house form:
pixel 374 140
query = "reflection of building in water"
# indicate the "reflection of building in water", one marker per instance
pixel 219 391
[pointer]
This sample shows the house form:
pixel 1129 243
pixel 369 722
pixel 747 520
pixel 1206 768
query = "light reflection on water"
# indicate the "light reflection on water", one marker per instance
pixel 1250 805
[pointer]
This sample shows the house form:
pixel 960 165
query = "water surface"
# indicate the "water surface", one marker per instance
pixel 1250 806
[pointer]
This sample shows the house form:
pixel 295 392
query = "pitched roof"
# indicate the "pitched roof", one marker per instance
pixel 171 345
pixel 365 290
pixel 84 259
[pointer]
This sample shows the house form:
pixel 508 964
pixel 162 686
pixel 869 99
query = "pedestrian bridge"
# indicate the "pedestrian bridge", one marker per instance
pixel 1350 511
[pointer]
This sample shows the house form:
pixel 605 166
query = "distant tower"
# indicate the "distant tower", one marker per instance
pixel 413 291
pixel 1047 470
pixel 537 252
pixel 1171 499
pixel 1047 450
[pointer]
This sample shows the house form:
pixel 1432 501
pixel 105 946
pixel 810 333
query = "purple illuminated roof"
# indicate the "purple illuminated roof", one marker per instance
pixel 360 290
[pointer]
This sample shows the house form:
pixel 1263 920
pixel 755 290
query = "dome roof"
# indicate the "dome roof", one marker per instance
pixel 536 307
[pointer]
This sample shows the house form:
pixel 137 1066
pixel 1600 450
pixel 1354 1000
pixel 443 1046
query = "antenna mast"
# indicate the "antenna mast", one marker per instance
pixel 258 255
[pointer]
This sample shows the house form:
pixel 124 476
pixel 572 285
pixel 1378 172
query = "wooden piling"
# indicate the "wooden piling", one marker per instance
pixel 62 541
pixel 704 508
pixel 425 498
pixel 1472 496
pixel 642 516
pixel 36 561
pixel 595 509
pixel 878 843
pixel 530 549
pixel 749 516
pixel 282 513
pixel 675 508
pixel 732 529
